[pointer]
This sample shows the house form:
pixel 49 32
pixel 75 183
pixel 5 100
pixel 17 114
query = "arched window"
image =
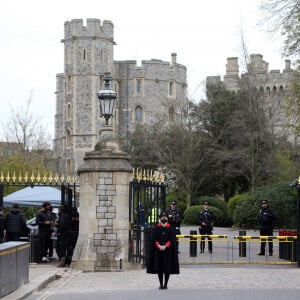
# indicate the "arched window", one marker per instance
pixel 68 138
pixel 274 91
pixel 68 166
pixel 281 91
pixel 261 93
pixel 268 91
pixel 171 115
pixel 138 113
pixel 69 111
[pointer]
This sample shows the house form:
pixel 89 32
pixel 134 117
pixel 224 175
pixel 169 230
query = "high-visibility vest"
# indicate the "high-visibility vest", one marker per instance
pixel 154 215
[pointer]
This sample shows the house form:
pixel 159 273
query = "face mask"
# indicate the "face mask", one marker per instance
pixel 164 221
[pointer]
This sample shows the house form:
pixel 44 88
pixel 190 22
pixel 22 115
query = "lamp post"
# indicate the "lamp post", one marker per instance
pixel 107 99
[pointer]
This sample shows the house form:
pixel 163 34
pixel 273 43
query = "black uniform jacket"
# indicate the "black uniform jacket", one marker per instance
pixel 163 261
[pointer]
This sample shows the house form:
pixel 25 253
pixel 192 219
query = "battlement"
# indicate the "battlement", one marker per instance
pixel 93 29
pixel 256 66
pixel 154 62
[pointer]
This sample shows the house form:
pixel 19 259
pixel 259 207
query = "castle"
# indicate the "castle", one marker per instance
pixel 154 91
pixel 270 87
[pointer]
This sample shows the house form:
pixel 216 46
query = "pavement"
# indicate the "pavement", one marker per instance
pixel 210 275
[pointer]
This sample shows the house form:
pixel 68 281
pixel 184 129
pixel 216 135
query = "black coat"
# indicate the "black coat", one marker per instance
pixel 43 216
pixel 15 221
pixel 266 217
pixel 207 217
pixel 163 261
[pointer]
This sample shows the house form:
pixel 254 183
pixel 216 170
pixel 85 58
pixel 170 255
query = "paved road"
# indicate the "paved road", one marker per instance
pixel 195 282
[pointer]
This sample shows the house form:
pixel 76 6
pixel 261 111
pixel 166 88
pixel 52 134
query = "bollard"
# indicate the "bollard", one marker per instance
pixel 193 244
pixel 242 244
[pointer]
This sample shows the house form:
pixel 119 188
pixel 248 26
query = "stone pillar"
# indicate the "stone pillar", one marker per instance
pixel 104 209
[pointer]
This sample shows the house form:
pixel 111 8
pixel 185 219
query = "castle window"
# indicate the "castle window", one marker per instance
pixel 268 92
pixel 281 91
pixel 84 54
pixel 69 84
pixel 68 166
pixel 172 91
pixel 274 92
pixel 69 111
pixel 68 139
pixel 171 115
pixel 101 55
pixel 138 113
pixel 139 86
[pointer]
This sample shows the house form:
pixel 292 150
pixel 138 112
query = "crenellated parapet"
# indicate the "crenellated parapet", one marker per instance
pixel 257 70
pixel 94 28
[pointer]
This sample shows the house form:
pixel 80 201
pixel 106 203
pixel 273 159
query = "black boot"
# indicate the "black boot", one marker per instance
pixel 167 276
pixel 160 278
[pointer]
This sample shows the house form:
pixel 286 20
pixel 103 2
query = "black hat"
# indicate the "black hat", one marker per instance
pixel 205 202
pixel 163 214
pixel 173 202
pixel 264 201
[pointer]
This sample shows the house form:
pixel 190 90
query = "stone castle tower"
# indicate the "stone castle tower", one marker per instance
pixel 271 87
pixel 154 91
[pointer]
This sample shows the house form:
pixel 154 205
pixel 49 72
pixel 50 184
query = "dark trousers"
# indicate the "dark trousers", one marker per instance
pixel 45 236
pixel 266 232
pixel 205 231
pixel 61 245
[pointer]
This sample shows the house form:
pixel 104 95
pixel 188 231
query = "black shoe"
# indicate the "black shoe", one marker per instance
pixel 261 254
pixel 161 287
pixel 165 287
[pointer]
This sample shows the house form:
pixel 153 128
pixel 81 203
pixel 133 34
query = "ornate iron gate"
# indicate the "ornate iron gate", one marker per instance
pixel 147 199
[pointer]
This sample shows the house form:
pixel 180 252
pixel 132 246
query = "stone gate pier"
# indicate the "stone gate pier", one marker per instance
pixel 104 210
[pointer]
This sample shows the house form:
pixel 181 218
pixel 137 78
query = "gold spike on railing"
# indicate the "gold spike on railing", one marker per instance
pixel 148 175
pixel 20 177
pixel 35 178
pixel 14 177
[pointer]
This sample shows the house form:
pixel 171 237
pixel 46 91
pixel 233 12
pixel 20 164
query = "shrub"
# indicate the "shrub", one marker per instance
pixel 232 203
pixel 246 213
pixel 282 200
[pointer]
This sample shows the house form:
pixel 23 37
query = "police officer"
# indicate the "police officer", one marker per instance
pixel 205 220
pixel 174 217
pixel 266 218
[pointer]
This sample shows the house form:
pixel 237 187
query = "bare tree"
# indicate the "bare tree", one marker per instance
pixel 25 128
pixel 283 16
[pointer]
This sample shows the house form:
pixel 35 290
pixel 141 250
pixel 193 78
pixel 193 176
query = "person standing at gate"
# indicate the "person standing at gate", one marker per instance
pixel 266 217
pixel 174 217
pixel 163 256
pixel 50 245
pixel 14 224
pixel 206 219
pixel 2 220
pixel 44 221
pixel 62 237
pixel 72 236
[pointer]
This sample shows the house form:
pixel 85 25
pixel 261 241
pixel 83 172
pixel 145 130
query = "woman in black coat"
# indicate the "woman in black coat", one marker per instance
pixel 163 253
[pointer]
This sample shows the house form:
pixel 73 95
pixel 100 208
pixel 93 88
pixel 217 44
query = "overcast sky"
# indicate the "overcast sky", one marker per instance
pixel 202 33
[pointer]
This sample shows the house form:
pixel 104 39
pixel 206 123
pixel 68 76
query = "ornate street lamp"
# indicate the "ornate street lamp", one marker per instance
pixel 107 99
